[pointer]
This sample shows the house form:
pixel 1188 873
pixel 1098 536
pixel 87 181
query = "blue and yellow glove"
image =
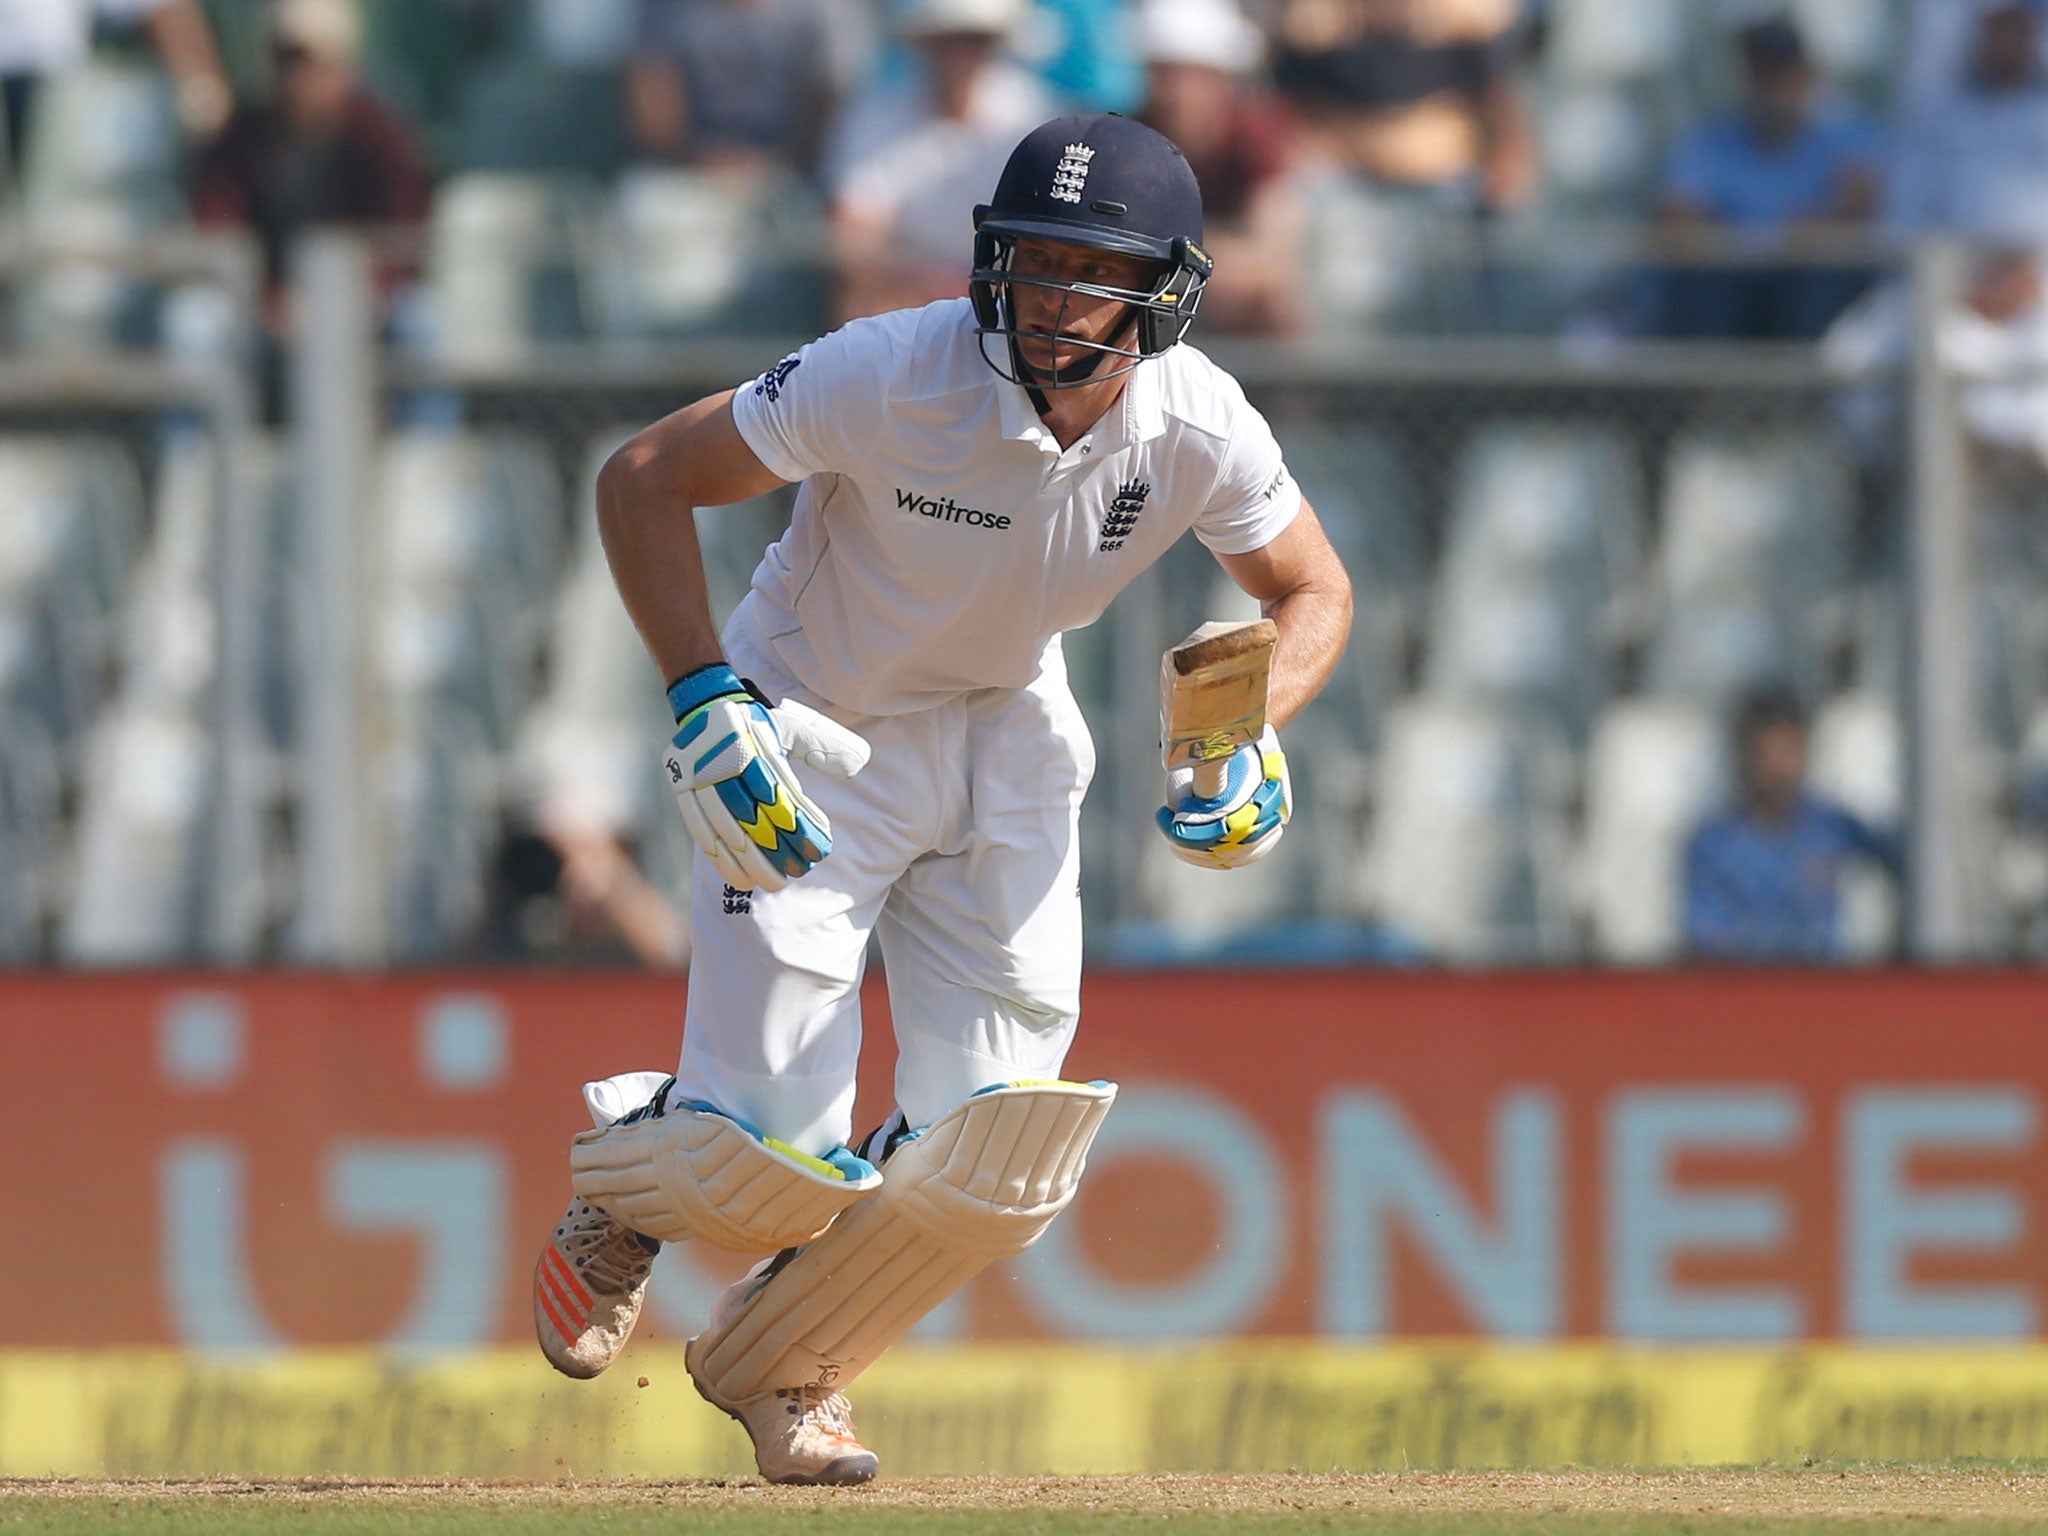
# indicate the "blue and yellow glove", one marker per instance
pixel 728 763
pixel 1243 822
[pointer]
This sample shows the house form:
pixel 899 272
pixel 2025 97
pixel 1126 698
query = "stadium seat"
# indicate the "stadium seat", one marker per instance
pixel 1858 761
pixel 1753 564
pixel 1877 638
pixel 511 259
pixel 31 813
pixel 1653 768
pixel 1714 650
pixel 1540 563
pixel 103 133
pixel 1597 148
pixel 1769 504
pixel 102 172
pixel 138 897
pixel 1766 505
pixel 1855 40
pixel 472 526
pixel 1858 756
pixel 1548 500
pixel 1365 258
pixel 443 791
pixel 69 514
pixel 1514 644
pixel 469 555
pixel 2012 655
pixel 141 874
pixel 1467 849
pixel 700 250
pixel 1606 40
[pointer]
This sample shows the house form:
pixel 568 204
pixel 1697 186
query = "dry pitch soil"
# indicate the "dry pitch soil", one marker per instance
pixel 1838 1500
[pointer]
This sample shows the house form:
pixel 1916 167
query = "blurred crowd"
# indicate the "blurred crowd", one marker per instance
pixel 1308 121
pixel 777 166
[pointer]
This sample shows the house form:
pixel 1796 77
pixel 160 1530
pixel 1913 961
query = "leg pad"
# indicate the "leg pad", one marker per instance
pixel 980 1184
pixel 692 1172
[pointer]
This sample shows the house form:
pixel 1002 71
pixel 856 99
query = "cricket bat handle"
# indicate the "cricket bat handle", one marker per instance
pixel 1211 776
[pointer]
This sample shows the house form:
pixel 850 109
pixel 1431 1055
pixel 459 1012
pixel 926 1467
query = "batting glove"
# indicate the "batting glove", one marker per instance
pixel 1243 822
pixel 729 765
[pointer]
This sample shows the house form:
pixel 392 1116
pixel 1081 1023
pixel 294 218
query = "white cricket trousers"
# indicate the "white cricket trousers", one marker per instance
pixel 958 846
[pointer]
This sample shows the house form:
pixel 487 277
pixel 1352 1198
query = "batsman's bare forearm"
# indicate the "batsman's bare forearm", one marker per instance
pixel 1302 587
pixel 1314 624
pixel 647 496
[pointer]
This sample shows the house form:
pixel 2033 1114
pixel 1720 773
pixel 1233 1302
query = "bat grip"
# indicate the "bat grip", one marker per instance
pixel 1211 776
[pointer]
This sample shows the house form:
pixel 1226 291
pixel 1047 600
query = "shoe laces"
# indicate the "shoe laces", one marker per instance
pixel 822 1408
pixel 611 1255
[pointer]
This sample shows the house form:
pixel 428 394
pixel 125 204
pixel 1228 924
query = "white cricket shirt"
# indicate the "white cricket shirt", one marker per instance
pixel 942 540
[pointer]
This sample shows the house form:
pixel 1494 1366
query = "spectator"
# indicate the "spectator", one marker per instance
pixel 1976 162
pixel 1415 95
pixel 1240 144
pixel 1784 159
pixel 742 82
pixel 1763 878
pixel 578 895
pixel 42 37
pixel 1933 67
pixel 907 168
pixel 321 151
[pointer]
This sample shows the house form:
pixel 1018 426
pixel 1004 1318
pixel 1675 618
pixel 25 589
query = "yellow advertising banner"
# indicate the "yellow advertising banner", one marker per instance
pixel 1030 1408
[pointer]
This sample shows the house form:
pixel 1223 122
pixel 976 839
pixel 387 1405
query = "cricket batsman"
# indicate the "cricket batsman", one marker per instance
pixel 882 741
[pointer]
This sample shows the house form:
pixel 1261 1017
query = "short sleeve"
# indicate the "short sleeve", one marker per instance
pixel 812 411
pixel 1255 497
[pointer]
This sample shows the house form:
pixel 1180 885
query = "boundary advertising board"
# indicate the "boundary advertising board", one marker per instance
pixel 303 1159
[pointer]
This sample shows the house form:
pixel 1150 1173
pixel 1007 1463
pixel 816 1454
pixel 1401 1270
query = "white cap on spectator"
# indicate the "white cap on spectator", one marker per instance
pixel 1211 32
pixel 332 29
pixel 932 18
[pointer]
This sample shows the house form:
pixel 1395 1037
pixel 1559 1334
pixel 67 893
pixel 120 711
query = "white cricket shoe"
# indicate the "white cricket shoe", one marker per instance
pixel 800 1434
pixel 587 1290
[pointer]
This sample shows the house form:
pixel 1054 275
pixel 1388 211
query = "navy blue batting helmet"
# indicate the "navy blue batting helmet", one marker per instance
pixel 1110 184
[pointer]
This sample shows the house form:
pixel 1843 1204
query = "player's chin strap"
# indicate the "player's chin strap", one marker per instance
pixel 979 1185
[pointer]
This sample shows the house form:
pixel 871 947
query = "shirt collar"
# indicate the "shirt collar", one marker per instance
pixel 1019 420
pixel 1138 416
pixel 1144 402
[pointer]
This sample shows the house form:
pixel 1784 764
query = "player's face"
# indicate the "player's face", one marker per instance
pixel 1051 319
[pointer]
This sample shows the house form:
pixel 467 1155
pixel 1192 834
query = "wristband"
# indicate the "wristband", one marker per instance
pixel 695 689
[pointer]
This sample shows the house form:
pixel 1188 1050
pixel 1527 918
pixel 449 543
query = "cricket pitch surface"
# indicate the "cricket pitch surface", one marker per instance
pixel 1828 1498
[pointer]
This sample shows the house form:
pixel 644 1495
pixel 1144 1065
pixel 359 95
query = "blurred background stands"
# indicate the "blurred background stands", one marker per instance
pixel 1575 551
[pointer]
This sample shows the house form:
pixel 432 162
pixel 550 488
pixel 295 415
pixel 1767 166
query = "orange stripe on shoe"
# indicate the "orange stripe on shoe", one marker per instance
pixel 558 1282
pixel 544 1294
pixel 578 1315
pixel 571 1279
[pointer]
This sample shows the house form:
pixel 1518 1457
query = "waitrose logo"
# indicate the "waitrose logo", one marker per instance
pixel 946 510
